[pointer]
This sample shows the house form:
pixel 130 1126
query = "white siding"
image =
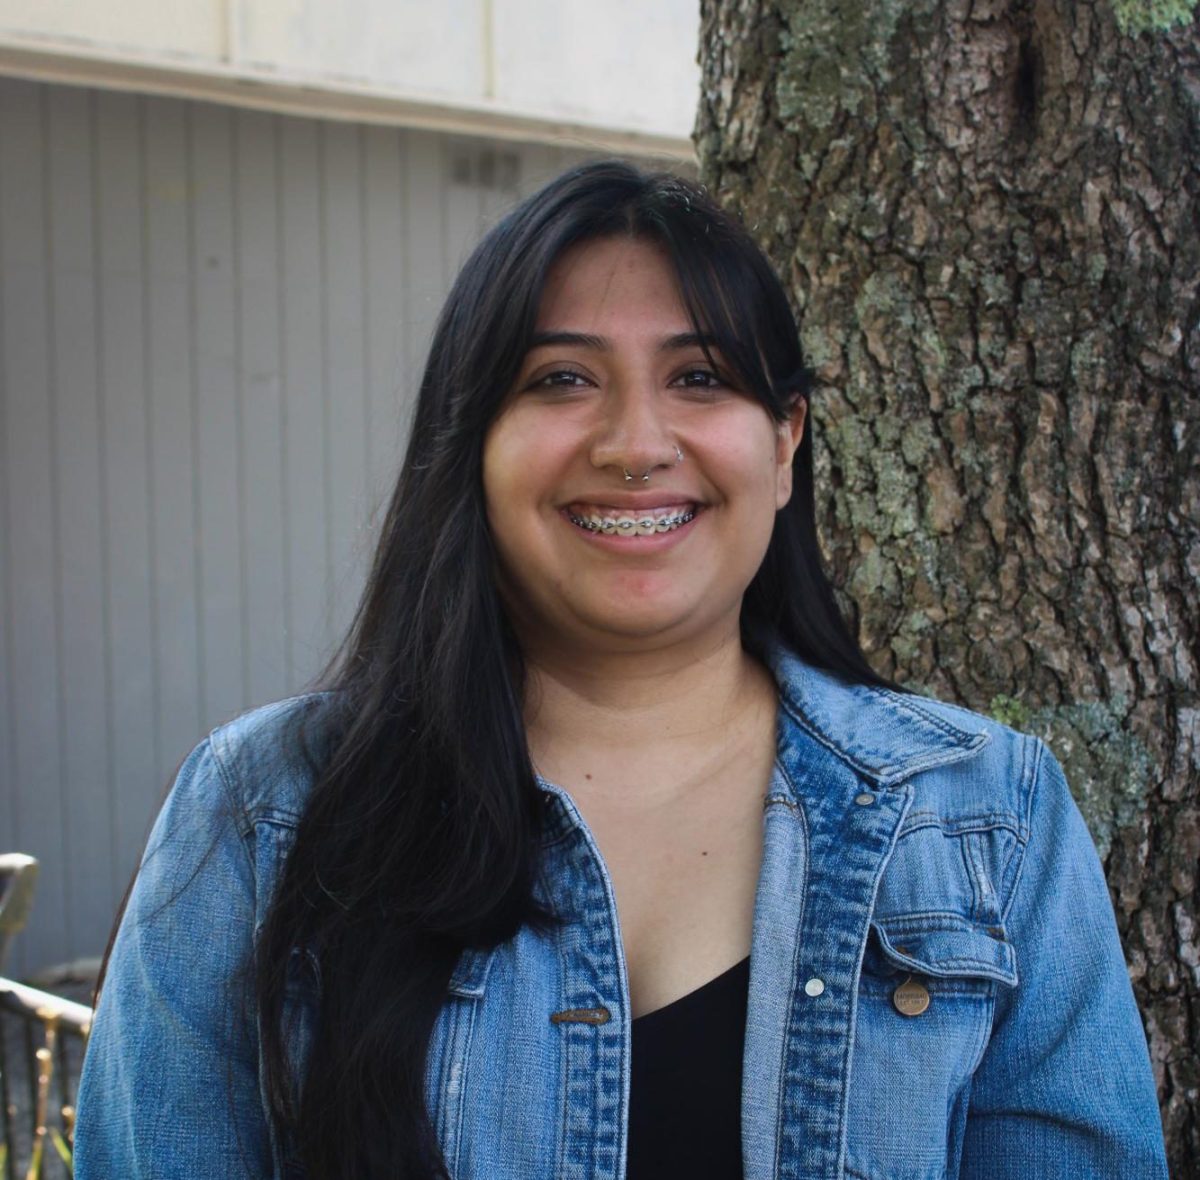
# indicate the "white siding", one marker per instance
pixel 211 321
pixel 623 70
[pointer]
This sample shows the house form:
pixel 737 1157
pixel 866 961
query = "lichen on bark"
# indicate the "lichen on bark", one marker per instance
pixel 1109 769
pixel 985 213
pixel 1144 16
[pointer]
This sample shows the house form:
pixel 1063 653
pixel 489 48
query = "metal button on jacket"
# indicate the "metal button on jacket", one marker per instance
pixel 599 1015
pixel 911 998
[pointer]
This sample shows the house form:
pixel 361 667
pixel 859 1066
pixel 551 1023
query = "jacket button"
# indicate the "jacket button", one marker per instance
pixel 864 800
pixel 911 998
pixel 599 1015
pixel 814 987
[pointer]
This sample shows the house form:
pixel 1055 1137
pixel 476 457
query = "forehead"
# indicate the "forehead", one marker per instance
pixel 612 281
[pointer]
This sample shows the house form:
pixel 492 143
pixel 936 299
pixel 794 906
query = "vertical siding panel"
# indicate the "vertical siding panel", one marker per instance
pixel 306 522
pixel 212 325
pixel 464 207
pixel 217 414
pixel 345 393
pixel 126 448
pixel 8 699
pixel 424 231
pixel 30 493
pixel 501 189
pixel 385 262
pixel 539 165
pixel 259 365
pixel 168 303
pixel 77 415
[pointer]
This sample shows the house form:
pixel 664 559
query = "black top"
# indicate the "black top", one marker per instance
pixel 685 1090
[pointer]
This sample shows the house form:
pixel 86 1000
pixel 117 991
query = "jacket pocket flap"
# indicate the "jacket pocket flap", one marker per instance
pixel 946 946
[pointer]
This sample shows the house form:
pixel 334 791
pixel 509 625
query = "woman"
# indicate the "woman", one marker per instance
pixel 604 852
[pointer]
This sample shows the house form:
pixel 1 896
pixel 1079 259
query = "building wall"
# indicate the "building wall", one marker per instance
pixel 211 325
pixel 620 65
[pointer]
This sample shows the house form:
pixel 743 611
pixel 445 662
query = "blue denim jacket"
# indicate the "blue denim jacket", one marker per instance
pixel 904 840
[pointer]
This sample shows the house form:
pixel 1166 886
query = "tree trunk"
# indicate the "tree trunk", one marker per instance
pixel 989 217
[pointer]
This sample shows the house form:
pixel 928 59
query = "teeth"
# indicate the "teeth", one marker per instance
pixel 632 526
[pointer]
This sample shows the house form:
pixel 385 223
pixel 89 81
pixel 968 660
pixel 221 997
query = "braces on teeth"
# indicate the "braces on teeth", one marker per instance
pixel 626 526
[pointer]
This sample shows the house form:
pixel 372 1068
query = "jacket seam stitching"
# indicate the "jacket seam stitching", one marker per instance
pixel 968 858
pixel 973 824
pixel 240 815
pixel 796 807
pixel 909 704
pixel 965 961
pixel 964 742
pixel 819 736
pixel 1032 753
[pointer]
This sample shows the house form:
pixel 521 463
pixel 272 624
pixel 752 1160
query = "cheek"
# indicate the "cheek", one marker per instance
pixel 524 463
pixel 505 466
pixel 756 467
pixel 524 453
pixel 500 488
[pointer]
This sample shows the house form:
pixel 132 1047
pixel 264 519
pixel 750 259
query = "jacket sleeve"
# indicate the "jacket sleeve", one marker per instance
pixel 170 1080
pixel 1064 1086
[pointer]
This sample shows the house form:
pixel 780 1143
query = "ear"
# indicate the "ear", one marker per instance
pixel 789 432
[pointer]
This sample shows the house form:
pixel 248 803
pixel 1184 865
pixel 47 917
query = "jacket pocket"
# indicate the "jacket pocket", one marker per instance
pixel 926 996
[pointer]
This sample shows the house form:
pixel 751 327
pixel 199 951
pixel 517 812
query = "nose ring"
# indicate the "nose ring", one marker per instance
pixel 646 473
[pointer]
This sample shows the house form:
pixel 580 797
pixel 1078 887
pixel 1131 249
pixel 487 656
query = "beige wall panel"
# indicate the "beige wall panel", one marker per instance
pixel 193 28
pixel 621 72
pixel 629 63
pixel 433 48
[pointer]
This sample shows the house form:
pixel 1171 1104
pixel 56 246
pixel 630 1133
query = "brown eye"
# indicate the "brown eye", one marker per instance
pixel 558 379
pixel 700 379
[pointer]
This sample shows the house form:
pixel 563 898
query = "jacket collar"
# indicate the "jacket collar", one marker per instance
pixel 884 736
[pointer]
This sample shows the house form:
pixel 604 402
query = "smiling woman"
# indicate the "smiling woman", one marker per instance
pixel 602 852
pixel 617 382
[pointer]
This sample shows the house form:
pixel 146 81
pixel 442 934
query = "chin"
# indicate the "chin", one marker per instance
pixel 631 628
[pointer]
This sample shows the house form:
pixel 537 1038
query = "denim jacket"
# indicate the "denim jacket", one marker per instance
pixel 907 843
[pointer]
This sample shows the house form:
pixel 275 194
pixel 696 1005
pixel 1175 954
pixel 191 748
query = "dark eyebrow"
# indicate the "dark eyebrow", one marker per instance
pixel 570 339
pixel 688 340
pixel 676 343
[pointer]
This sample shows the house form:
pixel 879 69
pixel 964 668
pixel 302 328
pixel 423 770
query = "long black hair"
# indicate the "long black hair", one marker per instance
pixel 421 834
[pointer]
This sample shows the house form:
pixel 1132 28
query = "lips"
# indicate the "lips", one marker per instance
pixel 631 522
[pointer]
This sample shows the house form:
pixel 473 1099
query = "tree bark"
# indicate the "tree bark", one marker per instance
pixel 988 213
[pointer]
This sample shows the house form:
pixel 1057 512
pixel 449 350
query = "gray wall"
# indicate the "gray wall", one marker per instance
pixel 211 321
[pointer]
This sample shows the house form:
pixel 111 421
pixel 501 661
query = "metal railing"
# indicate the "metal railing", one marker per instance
pixel 18 876
pixel 42 1039
pixel 52 1032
